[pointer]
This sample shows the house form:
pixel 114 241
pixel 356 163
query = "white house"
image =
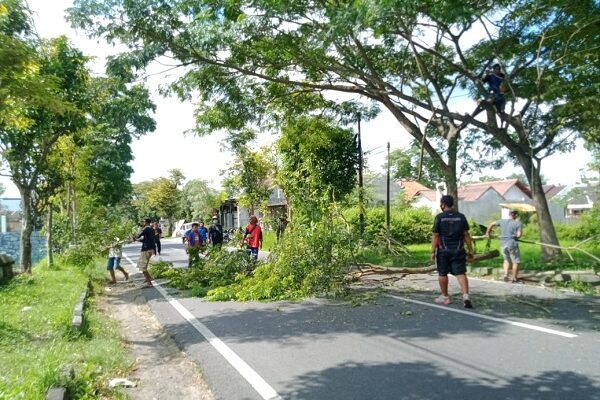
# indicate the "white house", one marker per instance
pixel 483 201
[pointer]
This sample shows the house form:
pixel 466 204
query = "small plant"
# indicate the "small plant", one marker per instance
pixel 577 286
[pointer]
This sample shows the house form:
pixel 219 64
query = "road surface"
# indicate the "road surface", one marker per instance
pixel 520 342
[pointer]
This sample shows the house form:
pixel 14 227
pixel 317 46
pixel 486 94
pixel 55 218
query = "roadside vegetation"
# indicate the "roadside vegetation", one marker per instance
pixel 37 346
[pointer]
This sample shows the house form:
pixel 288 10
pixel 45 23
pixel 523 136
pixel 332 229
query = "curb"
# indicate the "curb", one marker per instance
pixel 77 320
pixel 60 393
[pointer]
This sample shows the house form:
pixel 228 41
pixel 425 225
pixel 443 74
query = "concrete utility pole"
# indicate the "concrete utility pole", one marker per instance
pixel 361 204
pixel 387 200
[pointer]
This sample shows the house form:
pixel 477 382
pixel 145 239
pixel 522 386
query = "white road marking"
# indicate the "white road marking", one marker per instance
pixel 503 321
pixel 265 390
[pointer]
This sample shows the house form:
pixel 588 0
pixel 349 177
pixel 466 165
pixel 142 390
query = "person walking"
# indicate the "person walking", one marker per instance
pixel 511 230
pixel 450 235
pixel 115 252
pixel 215 233
pixel 253 237
pixel 146 236
pixel 194 244
pixel 157 236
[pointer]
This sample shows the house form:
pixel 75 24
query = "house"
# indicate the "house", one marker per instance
pixel 376 185
pixel 420 195
pixel 233 216
pixel 483 201
pixel 10 214
pixel 576 199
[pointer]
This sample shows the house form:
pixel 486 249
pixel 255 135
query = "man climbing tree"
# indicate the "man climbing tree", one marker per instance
pixel 497 88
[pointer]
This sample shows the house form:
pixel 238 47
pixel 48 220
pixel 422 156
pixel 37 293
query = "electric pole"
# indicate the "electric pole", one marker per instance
pixel 387 202
pixel 361 205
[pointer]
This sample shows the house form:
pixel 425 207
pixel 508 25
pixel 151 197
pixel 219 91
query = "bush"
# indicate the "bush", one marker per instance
pixel 307 261
pixel 407 226
pixel 219 268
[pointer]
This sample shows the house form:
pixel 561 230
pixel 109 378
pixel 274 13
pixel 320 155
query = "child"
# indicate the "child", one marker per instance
pixel 115 251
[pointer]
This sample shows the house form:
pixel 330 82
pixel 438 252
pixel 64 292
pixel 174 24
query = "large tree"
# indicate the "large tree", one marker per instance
pixel 250 59
pixel 198 200
pixel 319 162
pixel 159 198
pixel 27 149
pixel 250 177
pixel 94 162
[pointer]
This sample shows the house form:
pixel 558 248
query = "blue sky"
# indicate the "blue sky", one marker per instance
pixel 169 147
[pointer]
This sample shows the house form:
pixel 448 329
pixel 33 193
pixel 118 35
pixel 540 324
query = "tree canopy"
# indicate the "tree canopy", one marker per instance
pixel 252 63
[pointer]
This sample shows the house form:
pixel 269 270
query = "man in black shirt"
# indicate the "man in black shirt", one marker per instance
pixel 215 233
pixel 450 234
pixel 148 243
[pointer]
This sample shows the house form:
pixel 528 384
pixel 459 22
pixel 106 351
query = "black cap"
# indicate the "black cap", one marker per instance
pixel 447 200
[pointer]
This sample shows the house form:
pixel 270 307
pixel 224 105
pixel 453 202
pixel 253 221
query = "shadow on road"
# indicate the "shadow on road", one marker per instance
pixel 417 380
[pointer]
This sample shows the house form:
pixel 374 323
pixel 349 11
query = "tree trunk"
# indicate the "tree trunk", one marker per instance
pixel 27 219
pixel 49 238
pixel 450 171
pixel 547 231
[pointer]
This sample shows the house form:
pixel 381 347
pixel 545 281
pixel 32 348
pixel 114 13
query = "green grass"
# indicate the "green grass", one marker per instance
pixel 418 256
pixel 269 240
pixel 36 341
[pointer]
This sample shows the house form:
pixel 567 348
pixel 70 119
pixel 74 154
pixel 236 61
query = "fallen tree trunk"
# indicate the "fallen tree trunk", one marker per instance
pixel 378 269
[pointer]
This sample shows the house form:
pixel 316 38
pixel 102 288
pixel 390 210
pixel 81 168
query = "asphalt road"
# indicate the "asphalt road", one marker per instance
pixel 518 343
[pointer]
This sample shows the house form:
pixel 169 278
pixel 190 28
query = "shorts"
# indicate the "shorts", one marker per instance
pixel 144 259
pixel 113 262
pixel 451 262
pixel 511 253
pixel 253 252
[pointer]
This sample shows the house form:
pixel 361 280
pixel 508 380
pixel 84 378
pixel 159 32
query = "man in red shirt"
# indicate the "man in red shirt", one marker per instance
pixel 253 237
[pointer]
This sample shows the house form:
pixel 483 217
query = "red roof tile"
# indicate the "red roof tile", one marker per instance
pixel 412 188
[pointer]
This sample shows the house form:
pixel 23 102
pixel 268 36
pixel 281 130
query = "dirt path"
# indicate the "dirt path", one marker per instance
pixel 161 370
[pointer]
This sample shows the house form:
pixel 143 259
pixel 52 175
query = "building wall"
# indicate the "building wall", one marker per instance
pixel 485 209
pixel 514 194
pixel 10 244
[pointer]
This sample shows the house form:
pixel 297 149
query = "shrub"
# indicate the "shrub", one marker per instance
pixel 308 261
pixel 407 226
pixel 219 268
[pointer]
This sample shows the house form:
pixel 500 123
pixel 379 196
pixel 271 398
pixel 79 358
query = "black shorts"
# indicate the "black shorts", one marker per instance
pixel 451 262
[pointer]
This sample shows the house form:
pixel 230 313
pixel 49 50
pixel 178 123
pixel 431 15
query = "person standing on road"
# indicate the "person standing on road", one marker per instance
pixel 450 234
pixel 194 243
pixel 510 231
pixel 157 236
pixel 146 236
pixel 203 234
pixel 215 233
pixel 115 252
pixel 253 237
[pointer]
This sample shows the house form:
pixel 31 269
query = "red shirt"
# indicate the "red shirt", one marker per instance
pixel 253 235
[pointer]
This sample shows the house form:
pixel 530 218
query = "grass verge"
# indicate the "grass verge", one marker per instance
pixel 36 343
pixel 418 256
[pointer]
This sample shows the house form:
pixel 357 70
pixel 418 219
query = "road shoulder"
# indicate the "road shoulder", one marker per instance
pixel 161 370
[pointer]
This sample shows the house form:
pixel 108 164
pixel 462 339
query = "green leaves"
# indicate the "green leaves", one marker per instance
pixel 319 162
